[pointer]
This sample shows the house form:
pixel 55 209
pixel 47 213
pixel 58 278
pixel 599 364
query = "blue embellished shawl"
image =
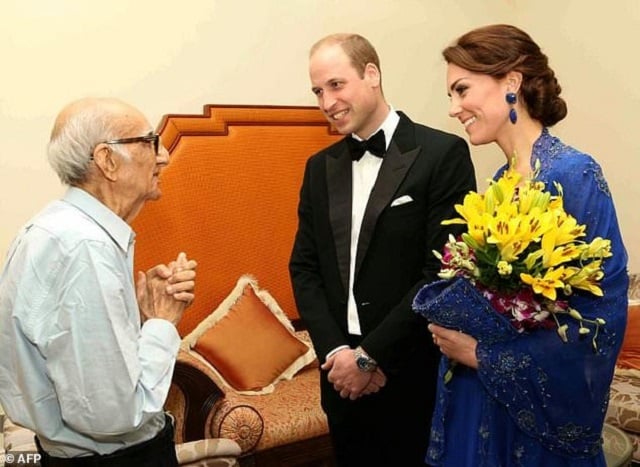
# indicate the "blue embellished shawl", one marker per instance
pixel 536 400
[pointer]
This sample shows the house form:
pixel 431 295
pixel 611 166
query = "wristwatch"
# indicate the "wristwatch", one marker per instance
pixel 364 361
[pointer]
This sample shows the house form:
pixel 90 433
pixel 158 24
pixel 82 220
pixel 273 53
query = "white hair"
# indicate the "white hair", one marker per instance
pixel 72 142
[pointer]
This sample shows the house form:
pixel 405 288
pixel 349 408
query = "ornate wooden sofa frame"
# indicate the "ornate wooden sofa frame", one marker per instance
pixel 230 198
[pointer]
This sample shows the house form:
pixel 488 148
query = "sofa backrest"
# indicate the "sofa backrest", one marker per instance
pixel 230 196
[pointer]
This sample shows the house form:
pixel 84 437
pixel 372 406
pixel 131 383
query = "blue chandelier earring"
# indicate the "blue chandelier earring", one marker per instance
pixel 511 100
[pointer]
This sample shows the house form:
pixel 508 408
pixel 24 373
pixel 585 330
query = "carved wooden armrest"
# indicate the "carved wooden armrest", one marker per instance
pixel 200 393
pixel 203 409
pixel 239 422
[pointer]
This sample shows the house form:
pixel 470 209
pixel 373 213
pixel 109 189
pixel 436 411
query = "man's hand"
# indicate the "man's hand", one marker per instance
pixel 181 282
pixel 346 377
pixel 377 382
pixel 165 291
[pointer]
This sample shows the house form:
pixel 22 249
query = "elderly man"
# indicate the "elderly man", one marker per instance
pixel 77 367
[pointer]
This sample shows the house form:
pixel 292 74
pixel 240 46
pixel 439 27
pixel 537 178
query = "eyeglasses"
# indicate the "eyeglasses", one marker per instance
pixel 154 139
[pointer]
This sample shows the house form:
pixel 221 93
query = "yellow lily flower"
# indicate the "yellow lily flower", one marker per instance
pixel 567 229
pixel 546 285
pixel 533 225
pixel 587 278
pixel 503 227
pixel 471 209
pixel 526 199
pixel 563 254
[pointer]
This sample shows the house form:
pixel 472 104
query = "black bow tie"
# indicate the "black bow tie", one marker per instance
pixel 376 145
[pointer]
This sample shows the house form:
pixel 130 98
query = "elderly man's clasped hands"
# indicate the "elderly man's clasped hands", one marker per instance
pixel 165 291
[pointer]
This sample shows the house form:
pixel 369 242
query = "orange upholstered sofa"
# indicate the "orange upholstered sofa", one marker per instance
pixel 230 196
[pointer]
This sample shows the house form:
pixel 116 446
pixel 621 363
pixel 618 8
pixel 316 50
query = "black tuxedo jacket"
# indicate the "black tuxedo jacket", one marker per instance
pixel 394 257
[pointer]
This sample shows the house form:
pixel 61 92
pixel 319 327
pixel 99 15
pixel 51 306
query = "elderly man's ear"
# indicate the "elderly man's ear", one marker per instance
pixel 103 156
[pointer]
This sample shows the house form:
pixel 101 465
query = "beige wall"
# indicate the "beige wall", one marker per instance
pixel 173 57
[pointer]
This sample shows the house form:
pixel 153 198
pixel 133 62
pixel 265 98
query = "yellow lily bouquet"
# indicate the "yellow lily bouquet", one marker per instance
pixel 524 253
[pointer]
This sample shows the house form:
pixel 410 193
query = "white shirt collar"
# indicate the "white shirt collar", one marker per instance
pixel 388 126
pixel 117 228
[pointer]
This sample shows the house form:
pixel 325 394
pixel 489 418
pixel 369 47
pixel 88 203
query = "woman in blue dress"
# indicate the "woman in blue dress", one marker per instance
pixel 533 400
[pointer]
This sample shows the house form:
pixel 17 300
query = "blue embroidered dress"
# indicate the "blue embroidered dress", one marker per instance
pixel 535 400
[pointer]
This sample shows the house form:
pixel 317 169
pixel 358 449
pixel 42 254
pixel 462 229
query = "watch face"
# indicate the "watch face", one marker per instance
pixel 364 363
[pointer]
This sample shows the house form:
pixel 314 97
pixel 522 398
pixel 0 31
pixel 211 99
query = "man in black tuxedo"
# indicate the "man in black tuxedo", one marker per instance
pixel 369 218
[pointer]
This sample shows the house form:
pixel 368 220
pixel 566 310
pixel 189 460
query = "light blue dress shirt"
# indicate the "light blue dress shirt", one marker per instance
pixel 76 367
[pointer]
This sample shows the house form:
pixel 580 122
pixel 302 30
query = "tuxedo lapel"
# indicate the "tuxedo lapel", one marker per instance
pixel 339 185
pixel 392 172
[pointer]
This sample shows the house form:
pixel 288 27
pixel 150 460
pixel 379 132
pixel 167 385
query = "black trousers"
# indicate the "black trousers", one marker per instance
pixel 159 451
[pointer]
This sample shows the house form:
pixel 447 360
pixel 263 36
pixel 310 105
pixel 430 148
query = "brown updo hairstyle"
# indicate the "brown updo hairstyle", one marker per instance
pixel 496 50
